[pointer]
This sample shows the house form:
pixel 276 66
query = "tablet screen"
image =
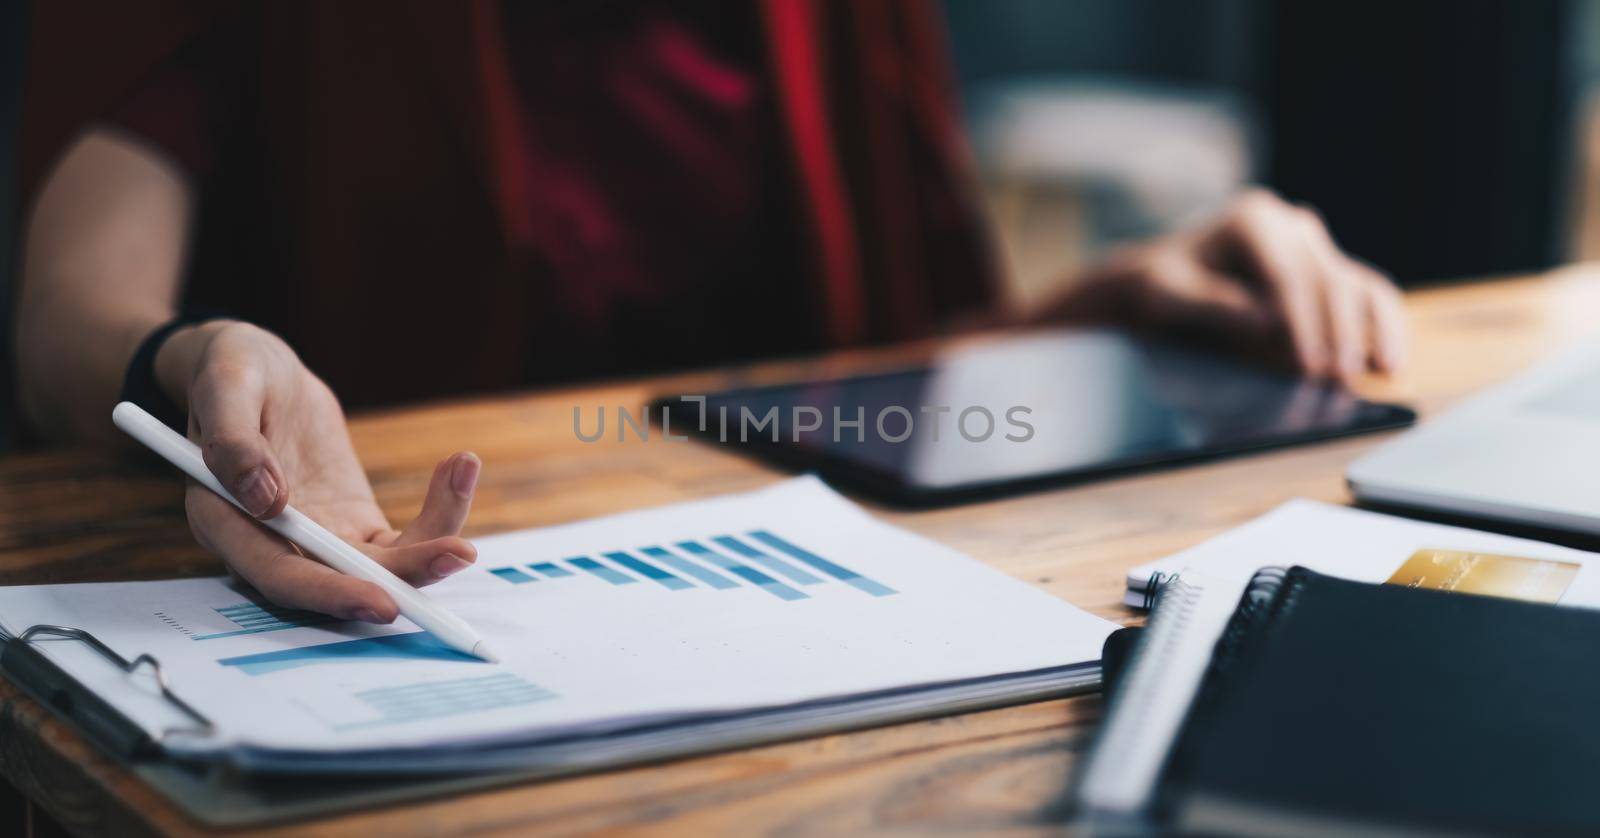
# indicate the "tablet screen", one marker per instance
pixel 1014 412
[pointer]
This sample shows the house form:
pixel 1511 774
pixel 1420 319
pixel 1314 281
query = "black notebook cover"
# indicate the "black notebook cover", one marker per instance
pixel 1334 706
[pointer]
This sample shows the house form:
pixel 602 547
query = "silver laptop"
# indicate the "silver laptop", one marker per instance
pixel 1526 452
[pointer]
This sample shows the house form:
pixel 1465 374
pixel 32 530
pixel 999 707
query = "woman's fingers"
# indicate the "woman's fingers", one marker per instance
pixel 1266 233
pixel 1386 313
pixel 431 548
pixel 1265 273
pixel 1187 294
pixel 292 580
pixel 1343 297
pixel 225 406
pixel 426 562
pixel 1340 317
pixel 275 569
pixel 1365 311
pixel 449 499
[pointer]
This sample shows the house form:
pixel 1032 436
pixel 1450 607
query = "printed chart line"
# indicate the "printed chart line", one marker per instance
pixel 416 645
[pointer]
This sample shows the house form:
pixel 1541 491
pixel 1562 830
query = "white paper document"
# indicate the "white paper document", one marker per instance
pixel 782 611
pixel 1351 544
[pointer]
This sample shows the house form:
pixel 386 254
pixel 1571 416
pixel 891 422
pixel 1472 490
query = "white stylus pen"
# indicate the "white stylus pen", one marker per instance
pixel 311 536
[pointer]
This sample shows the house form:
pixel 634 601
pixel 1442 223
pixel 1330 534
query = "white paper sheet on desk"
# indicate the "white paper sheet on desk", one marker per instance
pixel 771 598
pixel 1351 544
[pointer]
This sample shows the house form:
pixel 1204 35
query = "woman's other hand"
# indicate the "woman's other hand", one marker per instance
pixel 1265 276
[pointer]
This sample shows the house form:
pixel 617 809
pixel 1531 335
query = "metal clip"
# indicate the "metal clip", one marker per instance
pixel 203 726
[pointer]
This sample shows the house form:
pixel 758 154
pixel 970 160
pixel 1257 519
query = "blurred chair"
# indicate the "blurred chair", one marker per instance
pixel 1101 121
pixel 1073 166
pixel 1439 138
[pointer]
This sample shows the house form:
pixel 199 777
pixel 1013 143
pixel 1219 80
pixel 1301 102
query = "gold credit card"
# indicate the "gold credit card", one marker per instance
pixel 1535 580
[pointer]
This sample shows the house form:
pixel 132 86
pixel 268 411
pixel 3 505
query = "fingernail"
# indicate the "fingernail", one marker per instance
pixel 367 615
pixel 258 491
pixel 464 477
pixel 447 564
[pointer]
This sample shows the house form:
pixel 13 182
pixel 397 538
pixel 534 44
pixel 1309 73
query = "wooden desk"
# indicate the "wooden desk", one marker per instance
pixel 81 516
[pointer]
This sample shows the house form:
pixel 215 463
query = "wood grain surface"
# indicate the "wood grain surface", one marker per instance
pixel 75 515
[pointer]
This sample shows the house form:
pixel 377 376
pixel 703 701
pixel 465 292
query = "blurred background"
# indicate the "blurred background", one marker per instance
pixel 1441 139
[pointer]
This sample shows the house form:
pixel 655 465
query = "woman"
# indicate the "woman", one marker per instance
pixel 416 198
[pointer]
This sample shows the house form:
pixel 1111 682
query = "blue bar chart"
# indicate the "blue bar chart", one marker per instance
pixel 839 572
pixel 257 619
pixel 439 699
pixel 600 571
pixel 698 572
pixel 781 567
pixel 512 575
pixel 759 559
pixel 649 571
pixel 745 572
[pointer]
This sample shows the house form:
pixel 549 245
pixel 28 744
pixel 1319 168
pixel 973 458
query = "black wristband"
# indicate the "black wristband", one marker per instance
pixel 139 384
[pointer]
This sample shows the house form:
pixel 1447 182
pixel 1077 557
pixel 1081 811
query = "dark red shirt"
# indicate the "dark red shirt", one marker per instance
pixel 649 160
pixel 428 198
pixel 655 175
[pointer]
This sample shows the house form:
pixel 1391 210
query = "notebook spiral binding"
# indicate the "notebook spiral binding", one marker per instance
pixel 1153 585
pixel 1259 595
pixel 202 725
pixel 1172 601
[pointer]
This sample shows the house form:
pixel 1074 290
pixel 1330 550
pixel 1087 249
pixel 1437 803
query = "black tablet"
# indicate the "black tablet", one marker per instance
pixel 1010 414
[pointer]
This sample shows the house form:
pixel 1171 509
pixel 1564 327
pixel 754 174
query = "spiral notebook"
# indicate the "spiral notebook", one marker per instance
pixel 1118 780
pixel 1192 595
pixel 1319 706
pixel 778 613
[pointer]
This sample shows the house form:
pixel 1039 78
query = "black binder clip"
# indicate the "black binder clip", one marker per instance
pixel 51 686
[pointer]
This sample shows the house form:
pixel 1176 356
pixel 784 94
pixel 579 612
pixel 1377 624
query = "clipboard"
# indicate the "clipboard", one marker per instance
pixel 217 795
pixel 212 794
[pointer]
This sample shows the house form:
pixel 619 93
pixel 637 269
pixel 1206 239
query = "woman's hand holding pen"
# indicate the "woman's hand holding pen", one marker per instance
pixel 272 432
